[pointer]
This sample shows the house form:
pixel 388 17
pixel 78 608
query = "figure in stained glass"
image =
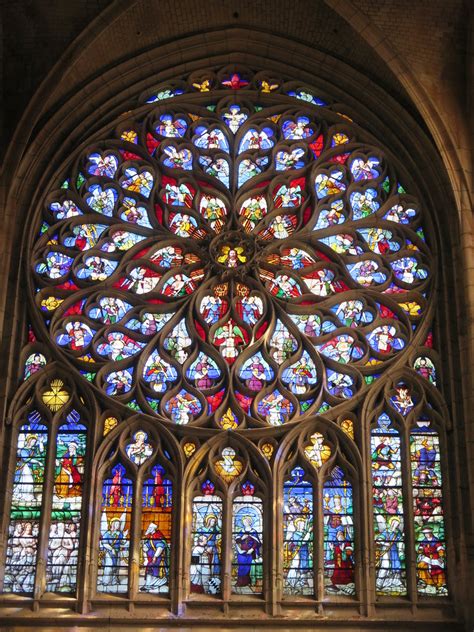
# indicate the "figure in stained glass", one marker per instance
pixel 275 408
pixel 66 505
pixel 253 210
pixel 214 211
pixel 158 373
pixel 212 308
pixel 408 270
pixel 296 258
pixel 425 367
pixel 254 139
pixel 139 450
pixel 288 196
pixel 431 563
pixel 178 342
pixel 249 307
pixel 110 310
pixel 300 375
pixel 282 343
pixel 331 216
pixel 342 349
pixel 232 257
pixel 321 282
pixel 317 451
pixel 156 532
pixel 183 407
pixel 204 371
pixel 298 534
pixel 171 128
pixel 256 372
pixel 402 399
pixel 428 509
pixel 247 537
pixel 178 159
pixel 400 215
pixel 205 569
pixel 234 118
pixel 338 535
pixel 282 285
pixel 364 204
pixel 340 384
pixel 155 550
pixel 250 168
pixel 228 338
pixel 34 363
pixel 27 496
pixel 218 168
pixel 388 508
pixel 114 542
pixel 297 130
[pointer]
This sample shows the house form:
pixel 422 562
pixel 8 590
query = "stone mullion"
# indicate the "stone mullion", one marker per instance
pixel 361 520
pixel 446 504
pixel 179 547
pixel 276 535
pixel 366 532
pixel 318 531
pixel 94 536
pixel 369 535
pixel 409 524
pixel 135 538
pixel 269 551
pixel 45 516
pixel 86 533
pixel 226 547
pixel 7 502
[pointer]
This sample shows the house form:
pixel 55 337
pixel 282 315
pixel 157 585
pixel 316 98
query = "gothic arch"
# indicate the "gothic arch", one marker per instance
pixel 205 446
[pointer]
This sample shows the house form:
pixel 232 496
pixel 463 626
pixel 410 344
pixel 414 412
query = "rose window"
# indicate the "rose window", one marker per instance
pixel 238 263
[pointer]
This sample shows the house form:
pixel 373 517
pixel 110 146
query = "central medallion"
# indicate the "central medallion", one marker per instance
pixel 233 251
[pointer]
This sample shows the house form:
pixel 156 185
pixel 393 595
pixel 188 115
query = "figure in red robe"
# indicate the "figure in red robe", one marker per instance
pixel 343 560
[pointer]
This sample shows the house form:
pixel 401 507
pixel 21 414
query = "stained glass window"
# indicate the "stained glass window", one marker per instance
pixel 339 557
pixel 298 534
pixel 156 529
pixel 206 548
pixel 247 542
pixel 115 525
pixel 239 287
pixel 428 509
pixel 63 547
pixel 25 513
pixel 388 508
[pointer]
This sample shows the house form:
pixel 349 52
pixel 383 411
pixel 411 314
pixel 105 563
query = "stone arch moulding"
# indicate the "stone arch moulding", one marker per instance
pixel 249 447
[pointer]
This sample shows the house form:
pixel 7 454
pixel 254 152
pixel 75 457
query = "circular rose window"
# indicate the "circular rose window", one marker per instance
pixel 241 262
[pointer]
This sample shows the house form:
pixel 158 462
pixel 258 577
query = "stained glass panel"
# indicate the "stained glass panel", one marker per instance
pixel 430 539
pixel 388 508
pixel 155 545
pixel 247 543
pixel 25 513
pixel 298 535
pixel 206 546
pixel 68 489
pixel 338 512
pixel 115 524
